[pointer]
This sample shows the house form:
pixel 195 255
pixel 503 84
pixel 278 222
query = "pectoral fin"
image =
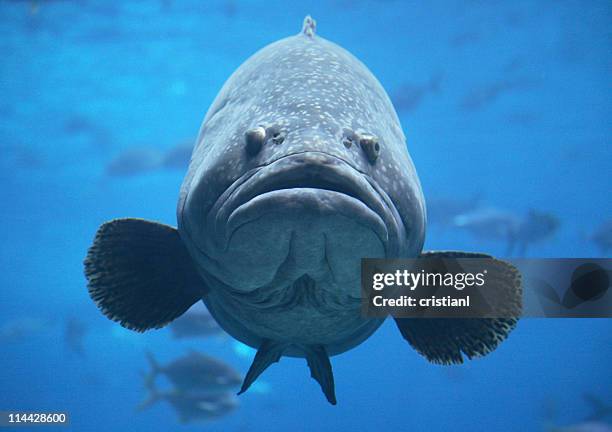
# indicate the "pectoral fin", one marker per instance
pixel 445 340
pixel 140 274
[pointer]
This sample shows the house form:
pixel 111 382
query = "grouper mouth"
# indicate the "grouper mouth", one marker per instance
pixel 303 182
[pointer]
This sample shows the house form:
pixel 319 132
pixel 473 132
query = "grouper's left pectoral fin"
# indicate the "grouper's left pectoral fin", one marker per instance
pixel 140 274
pixel 445 340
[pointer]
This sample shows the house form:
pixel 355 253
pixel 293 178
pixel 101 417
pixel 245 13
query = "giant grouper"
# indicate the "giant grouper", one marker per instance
pixel 300 169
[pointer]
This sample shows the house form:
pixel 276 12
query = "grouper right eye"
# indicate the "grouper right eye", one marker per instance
pixel 254 139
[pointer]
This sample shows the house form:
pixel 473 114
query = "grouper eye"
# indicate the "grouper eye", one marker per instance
pixel 254 139
pixel 369 144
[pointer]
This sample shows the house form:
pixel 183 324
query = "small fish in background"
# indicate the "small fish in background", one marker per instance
pixel 229 9
pixel 178 157
pixel 602 237
pixel 596 422
pixel 409 96
pixel 490 223
pixel 487 94
pixel 197 322
pixel 18 329
pixel 601 410
pixel 144 160
pixel 197 372
pixel 134 162
pixel 443 211
pixel 20 156
pixel 74 335
pixel 82 126
pixel 517 231
pixel 191 406
pixel 535 227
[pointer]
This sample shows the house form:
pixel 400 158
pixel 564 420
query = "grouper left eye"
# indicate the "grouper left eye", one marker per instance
pixel 370 146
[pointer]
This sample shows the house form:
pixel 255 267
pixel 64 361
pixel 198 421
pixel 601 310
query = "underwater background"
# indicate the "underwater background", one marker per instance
pixel 507 104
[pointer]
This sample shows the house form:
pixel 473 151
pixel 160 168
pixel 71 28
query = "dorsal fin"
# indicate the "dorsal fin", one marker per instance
pixel 309 27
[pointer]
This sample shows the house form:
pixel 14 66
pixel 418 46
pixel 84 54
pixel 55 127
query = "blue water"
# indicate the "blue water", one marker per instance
pixel 80 82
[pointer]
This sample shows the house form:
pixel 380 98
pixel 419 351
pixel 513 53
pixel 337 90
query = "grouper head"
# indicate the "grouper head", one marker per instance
pixel 300 168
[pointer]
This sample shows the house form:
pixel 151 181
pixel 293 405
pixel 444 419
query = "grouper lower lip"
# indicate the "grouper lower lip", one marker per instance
pixel 305 179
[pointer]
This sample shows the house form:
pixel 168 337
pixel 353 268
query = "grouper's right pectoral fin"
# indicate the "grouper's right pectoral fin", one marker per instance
pixel 446 340
pixel 140 274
